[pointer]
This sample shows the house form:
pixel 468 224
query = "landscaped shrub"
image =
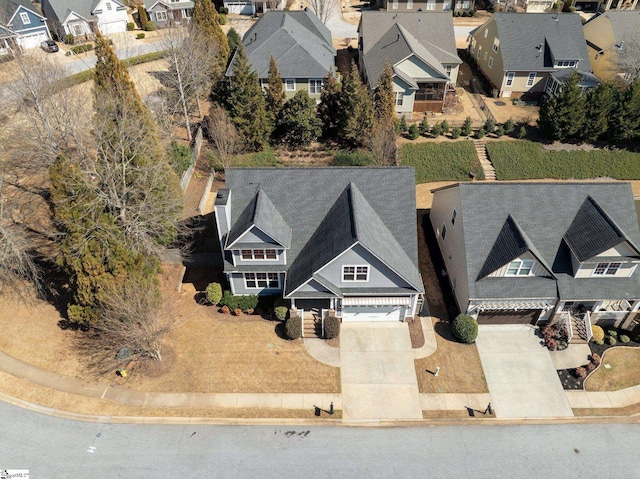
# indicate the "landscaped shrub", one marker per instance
pixel 248 302
pixel 624 338
pixel 237 312
pixel 500 131
pixel 222 19
pixel 515 160
pixel 85 47
pixel 293 327
pixel 140 36
pixel 150 26
pixel 444 126
pixel 522 132
pixel 424 126
pixel 353 158
pixel 509 126
pixel 414 133
pixel 441 161
pixel 402 126
pixel 223 10
pixel 214 293
pixel 611 340
pixel 612 332
pixel 467 126
pixel 69 39
pixel 281 312
pixel 455 132
pixel 581 372
pixel 228 299
pixel 436 130
pixel 489 125
pixel 331 327
pixel 597 333
pixel 131 26
pixel 480 134
pixel 179 156
pixel 551 343
pixel 595 358
pixel 590 367
pixel 465 328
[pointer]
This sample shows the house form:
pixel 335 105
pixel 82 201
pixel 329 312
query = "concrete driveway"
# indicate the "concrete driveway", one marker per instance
pixel 522 379
pixel 378 372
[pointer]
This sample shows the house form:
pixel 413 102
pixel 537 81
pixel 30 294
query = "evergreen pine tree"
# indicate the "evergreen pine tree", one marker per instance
pixel 233 38
pixel 599 104
pixel 329 108
pixel 246 105
pixel 566 111
pixel 424 126
pixel 383 98
pixel 274 92
pixel 297 123
pixel 548 118
pixel 467 126
pixel 624 122
pixel 356 103
pixel 205 18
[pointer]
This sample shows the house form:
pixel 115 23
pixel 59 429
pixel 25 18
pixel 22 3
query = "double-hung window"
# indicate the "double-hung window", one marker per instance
pixel 520 267
pixel 399 98
pixel 496 44
pixel 161 16
pixel 290 84
pixel 355 273
pixel 315 87
pixel 262 280
pixel 606 269
pixel 431 4
pixel 409 4
pixel 510 77
pixel 531 78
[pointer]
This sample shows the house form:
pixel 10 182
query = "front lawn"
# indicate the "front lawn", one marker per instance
pixel 523 159
pixel 442 161
pixel 625 364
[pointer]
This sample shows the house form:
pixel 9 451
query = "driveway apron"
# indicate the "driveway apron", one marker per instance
pixel 520 374
pixel 378 372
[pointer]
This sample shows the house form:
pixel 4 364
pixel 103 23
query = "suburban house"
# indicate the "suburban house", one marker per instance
pixel 21 22
pixel 168 10
pixel 426 5
pixel 611 36
pixel 85 17
pixel 421 48
pixel 528 252
pixel 531 54
pixel 300 44
pixel 253 7
pixel 602 5
pixel 329 239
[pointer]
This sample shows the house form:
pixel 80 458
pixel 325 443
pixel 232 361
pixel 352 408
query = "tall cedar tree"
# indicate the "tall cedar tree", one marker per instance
pixel 297 123
pixel 135 182
pixel 246 105
pixel 562 116
pixel 328 109
pixel 142 17
pixel 383 98
pixel 599 104
pixel 206 19
pixel 356 105
pixel 624 123
pixel 233 38
pixel 274 93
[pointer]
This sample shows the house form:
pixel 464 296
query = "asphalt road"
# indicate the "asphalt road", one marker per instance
pixel 56 448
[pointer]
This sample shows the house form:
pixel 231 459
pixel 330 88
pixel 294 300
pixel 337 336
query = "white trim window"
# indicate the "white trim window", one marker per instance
pixel 259 254
pixel 490 64
pixel 25 18
pixel 409 4
pixel 290 84
pixel 510 77
pixel 520 267
pixel 496 44
pixel 394 4
pixel 109 6
pixel 606 269
pixel 355 273
pixel 262 280
pixel 431 4
pixel 161 16
pixel 531 79
pixel 399 98
pixel 447 69
pixel 315 86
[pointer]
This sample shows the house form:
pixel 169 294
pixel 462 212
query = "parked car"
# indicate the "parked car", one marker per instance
pixel 49 46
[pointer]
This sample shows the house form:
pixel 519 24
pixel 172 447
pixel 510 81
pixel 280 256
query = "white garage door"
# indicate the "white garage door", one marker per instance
pixel 371 313
pixel 32 41
pixel 113 27
pixel 240 8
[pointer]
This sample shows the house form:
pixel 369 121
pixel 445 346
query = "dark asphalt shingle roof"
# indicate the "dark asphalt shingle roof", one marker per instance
pixel 625 25
pixel 394 36
pixel 331 209
pixel 530 42
pixel 299 42
pixel 544 213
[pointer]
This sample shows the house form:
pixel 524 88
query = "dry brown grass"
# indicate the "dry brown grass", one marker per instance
pixel 611 411
pixel 625 364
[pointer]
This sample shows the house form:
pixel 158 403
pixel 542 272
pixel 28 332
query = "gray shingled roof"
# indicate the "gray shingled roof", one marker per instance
pixel 530 42
pixel 9 7
pixel 299 42
pixel 544 212
pixel 84 8
pixel 394 36
pixel 173 6
pixel 624 23
pixel 331 209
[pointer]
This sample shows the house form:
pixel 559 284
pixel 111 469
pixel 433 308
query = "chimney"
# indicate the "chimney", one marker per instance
pixel 223 215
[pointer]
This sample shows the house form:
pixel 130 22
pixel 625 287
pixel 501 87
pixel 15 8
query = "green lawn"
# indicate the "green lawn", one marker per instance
pixel 441 161
pixel 514 160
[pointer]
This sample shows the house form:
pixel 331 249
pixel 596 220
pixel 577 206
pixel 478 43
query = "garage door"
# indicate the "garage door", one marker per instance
pixel 509 317
pixel 33 40
pixel 370 313
pixel 113 27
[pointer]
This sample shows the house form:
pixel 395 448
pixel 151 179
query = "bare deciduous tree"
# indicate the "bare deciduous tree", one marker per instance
pixel 221 131
pixel 382 143
pixel 323 8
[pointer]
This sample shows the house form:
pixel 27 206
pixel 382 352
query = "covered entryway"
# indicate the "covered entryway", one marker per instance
pixel 528 316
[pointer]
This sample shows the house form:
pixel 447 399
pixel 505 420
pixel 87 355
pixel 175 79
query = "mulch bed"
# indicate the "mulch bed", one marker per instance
pixel 416 333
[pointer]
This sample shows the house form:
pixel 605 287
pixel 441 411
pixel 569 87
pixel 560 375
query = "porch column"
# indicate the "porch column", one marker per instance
pixel 596 307
pixel 608 6
pixel 293 303
pixel 634 4
pixel 559 307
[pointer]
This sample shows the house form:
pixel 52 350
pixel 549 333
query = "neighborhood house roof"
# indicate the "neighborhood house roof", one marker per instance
pixel 625 25
pixel 395 36
pixel 8 9
pixel 531 42
pixel 329 210
pixel 299 42
pixel 501 221
pixel 149 4
pixel 83 8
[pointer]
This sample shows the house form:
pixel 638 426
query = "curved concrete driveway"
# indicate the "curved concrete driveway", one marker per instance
pixel 522 379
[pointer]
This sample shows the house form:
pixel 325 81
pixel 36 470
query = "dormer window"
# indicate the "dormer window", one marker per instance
pixel 25 18
pixel 108 5
pixel 355 273
pixel 520 267
pixel 606 269
pixel 259 254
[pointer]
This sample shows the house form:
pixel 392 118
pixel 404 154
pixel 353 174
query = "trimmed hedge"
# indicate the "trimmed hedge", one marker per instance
pixel 331 327
pixel 524 159
pixel 353 158
pixel 239 302
pixel 281 312
pixel 85 47
pixel 441 161
pixel 214 293
pixel 597 333
pixel 465 328
pixel 293 327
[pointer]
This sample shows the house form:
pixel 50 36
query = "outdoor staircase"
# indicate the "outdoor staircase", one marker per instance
pixel 311 325
pixel 487 167
pixel 579 328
